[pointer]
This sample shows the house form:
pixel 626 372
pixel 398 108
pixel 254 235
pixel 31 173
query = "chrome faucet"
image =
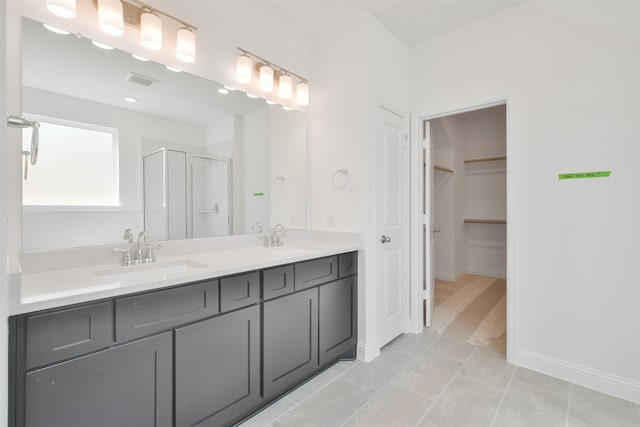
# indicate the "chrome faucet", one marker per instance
pixel 276 237
pixel 127 259
pixel 145 253
pixel 253 226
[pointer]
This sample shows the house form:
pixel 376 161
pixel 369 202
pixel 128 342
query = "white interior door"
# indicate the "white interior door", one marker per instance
pixel 429 223
pixel 392 224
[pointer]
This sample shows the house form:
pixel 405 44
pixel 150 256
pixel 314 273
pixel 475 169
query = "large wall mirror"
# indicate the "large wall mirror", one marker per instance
pixel 128 143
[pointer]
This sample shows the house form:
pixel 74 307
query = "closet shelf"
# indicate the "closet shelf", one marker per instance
pixel 484 221
pixel 485 159
pixel 442 168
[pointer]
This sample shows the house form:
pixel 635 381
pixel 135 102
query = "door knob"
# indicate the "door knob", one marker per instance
pixel 385 239
pixel 436 229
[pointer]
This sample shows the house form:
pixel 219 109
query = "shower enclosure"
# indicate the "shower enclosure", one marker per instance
pixel 186 195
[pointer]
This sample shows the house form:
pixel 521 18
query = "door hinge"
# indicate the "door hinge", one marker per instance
pixel 425 294
pixel 424 219
pixel 425 145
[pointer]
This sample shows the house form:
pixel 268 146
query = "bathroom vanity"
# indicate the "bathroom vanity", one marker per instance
pixel 203 352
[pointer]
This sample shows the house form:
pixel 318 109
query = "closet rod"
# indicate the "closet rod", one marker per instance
pixel 442 168
pixel 485 159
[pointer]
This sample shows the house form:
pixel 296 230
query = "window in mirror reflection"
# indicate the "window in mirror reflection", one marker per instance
pixel 77 165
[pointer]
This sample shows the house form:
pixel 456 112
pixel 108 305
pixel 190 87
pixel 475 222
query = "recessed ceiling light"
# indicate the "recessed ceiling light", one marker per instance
pixel 139 58
pixel 101 45
pixel 229 88
pixel 270 102
pixel 131 99
pixel 285 108
pixel 55 29
pixel 175 70
pixel 250 95
pixel 223 91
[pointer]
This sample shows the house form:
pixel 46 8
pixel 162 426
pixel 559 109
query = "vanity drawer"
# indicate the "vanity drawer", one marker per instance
pixel 157 311
pixel 277 282
pixel 239 291
pixel 347 264
pixel 315 272
pixel 56 336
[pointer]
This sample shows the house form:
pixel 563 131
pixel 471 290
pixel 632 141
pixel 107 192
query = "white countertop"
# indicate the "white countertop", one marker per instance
pixel 36 291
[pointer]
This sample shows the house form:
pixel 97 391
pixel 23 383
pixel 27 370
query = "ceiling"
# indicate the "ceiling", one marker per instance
pixel 412 22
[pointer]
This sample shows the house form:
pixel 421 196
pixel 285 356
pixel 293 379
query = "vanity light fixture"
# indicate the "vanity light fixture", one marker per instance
pixel 56 29
pixel 150 30
pixel 223 91
pixel 131 99
pixel 252 96
pixel 111 17
pixel 174 69
pixel 101 45
pixel 139 58
pixel 271 76
pixel 270 102
pixel 229 88
pixel 62 8
pixel 113 14
pixel 286 108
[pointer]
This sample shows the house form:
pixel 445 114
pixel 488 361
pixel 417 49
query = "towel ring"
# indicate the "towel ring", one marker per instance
pixel 340 178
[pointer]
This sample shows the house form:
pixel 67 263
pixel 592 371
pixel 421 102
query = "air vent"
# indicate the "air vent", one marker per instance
pixel 140 79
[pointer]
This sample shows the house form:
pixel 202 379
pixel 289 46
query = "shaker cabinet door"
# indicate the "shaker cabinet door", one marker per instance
pixel 129 385
pixel 218 369
pixel 337 319
pixel 290 340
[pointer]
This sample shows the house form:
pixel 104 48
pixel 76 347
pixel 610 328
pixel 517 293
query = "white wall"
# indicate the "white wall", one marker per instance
pixel 50 229
pixel 569 70
pixel 352 65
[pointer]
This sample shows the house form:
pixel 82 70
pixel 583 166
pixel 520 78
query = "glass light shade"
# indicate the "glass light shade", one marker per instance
pixel 266 78
pixel 110 17
pixel 302 94
pixel 243 69
pixel 151 31
pixel 285 86
pixel 62 8
pixel 186 45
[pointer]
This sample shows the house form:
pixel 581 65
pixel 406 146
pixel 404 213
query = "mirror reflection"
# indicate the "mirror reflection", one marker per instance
pixel 129 143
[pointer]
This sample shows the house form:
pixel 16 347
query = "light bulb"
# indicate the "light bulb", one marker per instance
pixel 243 69
pixel 151 31
pixel 110 17
pixel 186 45
pixel 62 8
pixel 302 93
pixel 266 78
pixel 285 86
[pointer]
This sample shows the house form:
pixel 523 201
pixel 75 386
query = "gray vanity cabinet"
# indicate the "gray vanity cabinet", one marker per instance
pixel 290 340
pixel 217 369
pixel 338 322
pixel 128 385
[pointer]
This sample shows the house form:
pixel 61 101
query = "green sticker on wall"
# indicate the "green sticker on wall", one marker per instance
pixel 578 175
pixel 258 194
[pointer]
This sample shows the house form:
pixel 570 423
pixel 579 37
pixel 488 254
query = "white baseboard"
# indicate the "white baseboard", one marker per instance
pixel 367 354
pixel 587 377
pixel 500 274
pixel 449 277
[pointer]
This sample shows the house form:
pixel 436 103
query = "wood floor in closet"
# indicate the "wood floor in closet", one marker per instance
pixel 472 309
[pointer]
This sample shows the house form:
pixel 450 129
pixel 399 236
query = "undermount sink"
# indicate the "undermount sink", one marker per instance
pixel 157 271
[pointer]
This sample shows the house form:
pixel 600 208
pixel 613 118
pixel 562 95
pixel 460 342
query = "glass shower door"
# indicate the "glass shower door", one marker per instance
pixel 210 197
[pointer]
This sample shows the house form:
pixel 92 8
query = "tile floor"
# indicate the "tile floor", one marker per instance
pixel 428 380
